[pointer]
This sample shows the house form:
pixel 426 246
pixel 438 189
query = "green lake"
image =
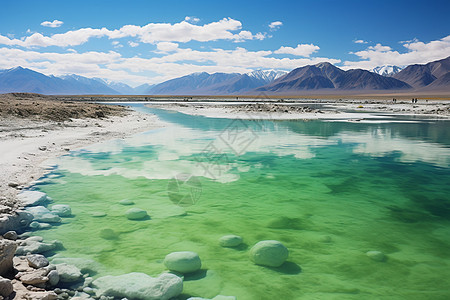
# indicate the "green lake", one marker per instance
pixel 330 191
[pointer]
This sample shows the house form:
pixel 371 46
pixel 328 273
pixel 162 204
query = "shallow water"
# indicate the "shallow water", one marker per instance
pixel 329 191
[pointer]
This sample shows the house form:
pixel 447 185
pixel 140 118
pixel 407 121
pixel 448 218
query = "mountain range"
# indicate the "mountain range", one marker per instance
pixel 324 77
pixel 215 84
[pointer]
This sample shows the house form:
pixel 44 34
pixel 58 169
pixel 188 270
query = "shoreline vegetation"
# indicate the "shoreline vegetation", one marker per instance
pixel 35 128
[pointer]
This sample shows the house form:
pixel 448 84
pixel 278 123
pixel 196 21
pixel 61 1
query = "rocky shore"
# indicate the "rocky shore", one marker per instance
pixel 34 128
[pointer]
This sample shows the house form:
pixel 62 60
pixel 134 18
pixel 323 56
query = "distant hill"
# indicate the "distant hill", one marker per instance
pixel 25 80
pixel 83 85
pixel 420 76
pixel 28 81
pixel 215 84
pixel 325 76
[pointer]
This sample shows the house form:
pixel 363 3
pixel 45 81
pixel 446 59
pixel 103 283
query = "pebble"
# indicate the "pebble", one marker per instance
pixel 13 184
pixel 376 255
pixel 10 235
pixel 136 214
pixel 126 202
pixel 230 240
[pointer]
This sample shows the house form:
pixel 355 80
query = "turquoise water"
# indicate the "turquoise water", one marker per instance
pixel 329 191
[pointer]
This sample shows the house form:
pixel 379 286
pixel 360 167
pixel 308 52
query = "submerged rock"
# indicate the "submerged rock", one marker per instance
pixel 183 262
pixel 108 234
pixel 98 214
pixel 85 265
pixel 230 240
pixel 376 255
pixel 32 198
pixel 269 253
pixel 42 214
pixel 37 225
pixel 68 273
pixel 62 210
pixel 139 286
pixel 218 297
pixel 126 202
pixel 136 214
pixel 35 245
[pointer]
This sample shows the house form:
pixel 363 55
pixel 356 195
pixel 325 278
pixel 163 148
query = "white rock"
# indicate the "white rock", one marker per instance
pixel 376 255
pixel 269 253
pixel 32 198
pixel 36 277
pixel 68 273
pixel 230 240
pixel 42 214
pixel 183 262
pixel 62 210
pixel 140 286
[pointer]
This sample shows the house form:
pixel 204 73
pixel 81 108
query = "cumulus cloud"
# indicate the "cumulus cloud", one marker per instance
pixel 416 52
pixel 380 48
pixel 133 44
pixel 301 50
pixel 360 42
pixel 275 25
pixel 167 46
pixel 174 62
pixel 152 33
pixel 192 19
pixel 53 24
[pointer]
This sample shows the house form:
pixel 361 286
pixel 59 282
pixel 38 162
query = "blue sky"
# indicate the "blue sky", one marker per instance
pixel 151 41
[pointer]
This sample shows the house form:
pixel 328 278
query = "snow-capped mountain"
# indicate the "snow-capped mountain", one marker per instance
pixel 266 75
pixel 120 87
pixel 387 70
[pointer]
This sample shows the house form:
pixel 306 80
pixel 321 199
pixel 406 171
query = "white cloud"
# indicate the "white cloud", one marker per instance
pixel 173 63
pixel 167 46
pixel 275 25
pixel 301 50
pixel 53 24
pixel 133 44
pixel 380 48
pixel 152 33
pixel 416 53
pixel 192 19
pixel 360 42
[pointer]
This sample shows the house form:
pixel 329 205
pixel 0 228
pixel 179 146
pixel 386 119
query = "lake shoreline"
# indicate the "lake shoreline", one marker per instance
pixel 28 141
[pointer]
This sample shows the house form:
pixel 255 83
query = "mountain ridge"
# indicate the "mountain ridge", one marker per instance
pixel 322 77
